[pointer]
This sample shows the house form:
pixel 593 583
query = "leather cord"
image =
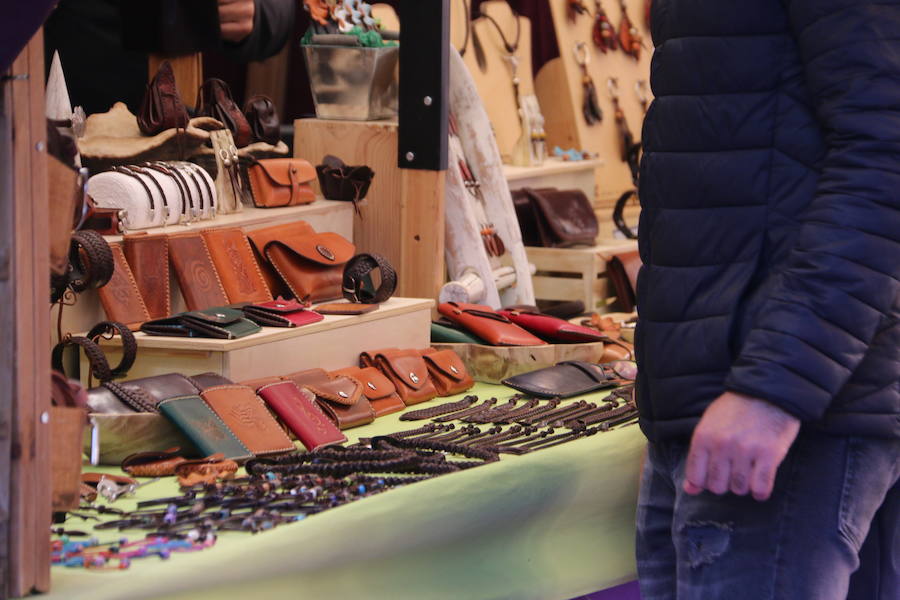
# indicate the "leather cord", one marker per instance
pixel 357 273
pixel 618 216
pixel 108 330
pixel 510 48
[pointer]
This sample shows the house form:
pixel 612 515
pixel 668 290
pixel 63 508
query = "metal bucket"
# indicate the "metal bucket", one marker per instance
pixel 354 83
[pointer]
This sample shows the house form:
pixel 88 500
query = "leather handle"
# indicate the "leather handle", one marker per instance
pixel 618 217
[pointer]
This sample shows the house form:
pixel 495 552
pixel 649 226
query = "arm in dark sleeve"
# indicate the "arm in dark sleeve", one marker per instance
pixel 840 282
pixel 273 25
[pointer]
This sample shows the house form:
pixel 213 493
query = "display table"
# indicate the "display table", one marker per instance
pixel 554 524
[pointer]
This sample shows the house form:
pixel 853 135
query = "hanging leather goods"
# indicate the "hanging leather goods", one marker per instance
pixel 591 106
pixel 648 6
pixel 604 34
pixel 574 8
pixel 641 91
pixel 629 36
pixel 629 149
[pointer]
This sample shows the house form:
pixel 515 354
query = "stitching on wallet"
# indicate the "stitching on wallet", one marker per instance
pixel 217 417
pixel 256 397
pixel 262 279
pixel 215 272
pixel 134 287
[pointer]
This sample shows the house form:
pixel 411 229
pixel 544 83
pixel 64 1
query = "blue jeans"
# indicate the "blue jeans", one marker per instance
pixel 802 544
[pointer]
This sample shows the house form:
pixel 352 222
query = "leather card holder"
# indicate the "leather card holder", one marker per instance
pixel 148 257
pixel 281 313
pixel 237 267
pixel 297 408
pixel 447 371
pixel 195 271
pixel 245 414
pixel 203 427
pixel 564 380
pixel 121 299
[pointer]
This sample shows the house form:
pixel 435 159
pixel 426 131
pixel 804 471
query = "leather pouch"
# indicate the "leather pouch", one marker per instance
pixel 196 273
pixel 451 334
pixel 121 299
pixel 246 415
pixel 555 218
pixel 153 464
pixel 488 324
pixel 218 323
pixel 281 313
pixel 277 182
pixel 148 257
pixel 564 380
pixel 407 371
pixel 447 371
pixel 346 308
pixel 238 270
pixel 162 107
pixel 378 389
pixel 340 398
pixel 263 119
pixel 203 427
pixel 214 100
pixel 339 181
pixel 552 329
pixel 297 408
pixel 622 270
pixel 311 264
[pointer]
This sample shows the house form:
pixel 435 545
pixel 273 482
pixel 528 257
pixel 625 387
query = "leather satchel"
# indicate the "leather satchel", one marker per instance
pixel 263 119
pixel 310 264
pixel 552 329
pixel 277 182
pixel 340 397
pixel 297 408
pixel 407 371
pixel 564 380
pixel 214 100
pixel 378 389
pixel 236 265
pixel 622 270
pixel 245 414
pixel 554 218
pixel 281 313
pixel 162 107
pixel 197 275
pixel 447 371
pixel 489 325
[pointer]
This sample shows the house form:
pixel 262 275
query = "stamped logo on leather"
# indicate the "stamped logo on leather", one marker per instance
pixel 239 268
pixel 328 254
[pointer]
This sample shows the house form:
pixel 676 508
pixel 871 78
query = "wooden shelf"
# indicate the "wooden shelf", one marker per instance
pixel 551 166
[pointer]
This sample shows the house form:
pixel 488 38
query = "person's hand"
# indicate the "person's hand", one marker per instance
pixel 236 19
pixel 738 446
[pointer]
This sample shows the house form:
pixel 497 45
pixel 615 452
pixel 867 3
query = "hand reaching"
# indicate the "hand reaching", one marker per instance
pixel 236 19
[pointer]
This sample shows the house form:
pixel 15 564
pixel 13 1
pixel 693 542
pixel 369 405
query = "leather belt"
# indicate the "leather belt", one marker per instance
pixel 357 284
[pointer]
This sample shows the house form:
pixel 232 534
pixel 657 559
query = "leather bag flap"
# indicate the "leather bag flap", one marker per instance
pixel 326 249
pixel 409 368
pixel 568 213
pixel 285 172
pixel 448 363
pixel 375 384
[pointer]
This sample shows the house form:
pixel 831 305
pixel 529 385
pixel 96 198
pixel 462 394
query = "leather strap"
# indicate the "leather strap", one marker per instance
pixel 91 262
pixel 357 273
pixel 139 179
pixel 97 359
pixel 108 330
pixel 618 217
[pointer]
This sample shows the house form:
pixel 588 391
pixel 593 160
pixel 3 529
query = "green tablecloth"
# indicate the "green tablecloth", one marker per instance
pixel 554 524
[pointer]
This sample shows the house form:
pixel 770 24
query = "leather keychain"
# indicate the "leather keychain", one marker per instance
pixel 603 33
pixel 590 106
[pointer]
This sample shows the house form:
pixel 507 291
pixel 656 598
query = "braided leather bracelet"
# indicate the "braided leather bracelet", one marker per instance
pixel 108 330
pixel 90 261
pixel 99 365
pixel 357 275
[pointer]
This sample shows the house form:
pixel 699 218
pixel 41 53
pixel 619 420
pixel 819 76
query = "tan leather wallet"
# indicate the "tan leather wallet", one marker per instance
pixel 237 267
pixel 248 418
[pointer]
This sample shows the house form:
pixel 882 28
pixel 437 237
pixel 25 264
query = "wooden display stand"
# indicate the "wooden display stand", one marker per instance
pixel 403 214
pixel 564 175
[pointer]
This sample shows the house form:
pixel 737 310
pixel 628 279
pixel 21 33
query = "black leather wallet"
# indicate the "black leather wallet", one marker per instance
pixel 564 380
pixel 221 323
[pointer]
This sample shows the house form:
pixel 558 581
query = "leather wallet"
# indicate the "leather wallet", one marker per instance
pixel 378 389
pixel 297 408
pixel 442 333
pixel 622 270
pixel 256 384
pixel 564 380
pixel 310 264
pixel 238 270
pixel 219 323
pixel 552 329
pixel 197 276
pixel 488 324
pixel 279 182
pixel 121 299
pixel 203 427
pixel 246 415
pixel 148 257
pixel 153 390
pixel 345 308
pixel 340 397
pixel 447 371
pixel 281 313
pixel 407 371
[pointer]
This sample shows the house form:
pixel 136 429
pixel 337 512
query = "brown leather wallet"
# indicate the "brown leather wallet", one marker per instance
pixel 311 264
pixel 237 267
pixel 148 257
pixel 197 275
pixel 447 371
pixel 121 298
pixel 488 324
pixel 407 371
pixel 281 182
pixel 340 397
pixel 377 388
pixel 248 418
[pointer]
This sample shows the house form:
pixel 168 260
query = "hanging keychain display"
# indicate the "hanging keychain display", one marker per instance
pixel 640 90
pixel 630 149
pixel 603 33
pixel 629 36
pixel 229 184
pixel 590 106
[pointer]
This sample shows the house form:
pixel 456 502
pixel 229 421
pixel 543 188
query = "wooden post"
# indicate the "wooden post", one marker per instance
pixel 188 74
pixel 24 350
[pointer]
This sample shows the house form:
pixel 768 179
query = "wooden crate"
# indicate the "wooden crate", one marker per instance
pixel 576 273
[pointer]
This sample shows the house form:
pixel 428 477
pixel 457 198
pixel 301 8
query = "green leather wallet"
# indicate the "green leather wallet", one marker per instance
pixel 203 427
pixel 448 335
pixel 221 323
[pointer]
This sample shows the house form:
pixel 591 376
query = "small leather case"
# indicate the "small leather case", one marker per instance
pixel 246 415
pixel 162 108
pixel 121 298
pixel 552 329
pixel 345 308
pixel 378 389
pixel 340 397
pixel 218 323
pixel 203 427
pixel 277 182
pixel 237 267
pixel 148 257
pixel 297 408
pixel 488 324
pixel 564 380
pixel 407 371
pixel 447 371
pixel 263 119
pixel 196 273
pixel 442 333
pixel 622 270
pixel 281 313
pixel 153 464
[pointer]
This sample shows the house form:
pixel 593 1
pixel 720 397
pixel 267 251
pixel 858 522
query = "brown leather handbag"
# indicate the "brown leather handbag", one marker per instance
pixel 622 271
pixel 277 182
pixel 162 107
pixel 552 218
pixel 263 119
pixel 214 100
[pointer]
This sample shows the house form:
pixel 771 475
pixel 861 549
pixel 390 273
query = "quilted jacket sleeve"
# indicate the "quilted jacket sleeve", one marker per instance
pixel 840 283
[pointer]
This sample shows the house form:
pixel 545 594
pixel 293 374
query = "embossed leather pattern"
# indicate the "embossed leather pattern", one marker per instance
pixel 203 427
pixel 197 276
pixel 245 414
pixel 447 371
pixel 238 270
pixel 148 257
pixel 297 408
pixel 121 298
pixel 378 389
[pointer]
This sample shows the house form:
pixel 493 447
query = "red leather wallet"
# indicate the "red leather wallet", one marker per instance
pixel 488 324
pixel 281 313
pixel 552 329
pixel 297 408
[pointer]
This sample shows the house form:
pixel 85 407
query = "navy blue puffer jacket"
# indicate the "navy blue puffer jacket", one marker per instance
pixel 770 230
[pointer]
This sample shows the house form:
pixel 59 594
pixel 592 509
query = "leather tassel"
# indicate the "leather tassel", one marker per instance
pixel 591 107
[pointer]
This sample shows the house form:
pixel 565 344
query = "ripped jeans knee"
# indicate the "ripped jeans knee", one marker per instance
pixel 702 542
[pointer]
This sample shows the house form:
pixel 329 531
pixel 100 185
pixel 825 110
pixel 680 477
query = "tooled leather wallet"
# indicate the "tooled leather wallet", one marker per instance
pixel 245 414
pixel 203 427
pixel 297 408
pixel 563 380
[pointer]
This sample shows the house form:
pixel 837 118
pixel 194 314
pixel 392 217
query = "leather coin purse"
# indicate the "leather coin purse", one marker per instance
pixel 447 371
pixel 219 323
pixel 552 329
pixel 277 182
pixel 407 371
pixel 281 313
pixel 378 389
pixel 564 380
pixel 339 397
pixel 489 325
